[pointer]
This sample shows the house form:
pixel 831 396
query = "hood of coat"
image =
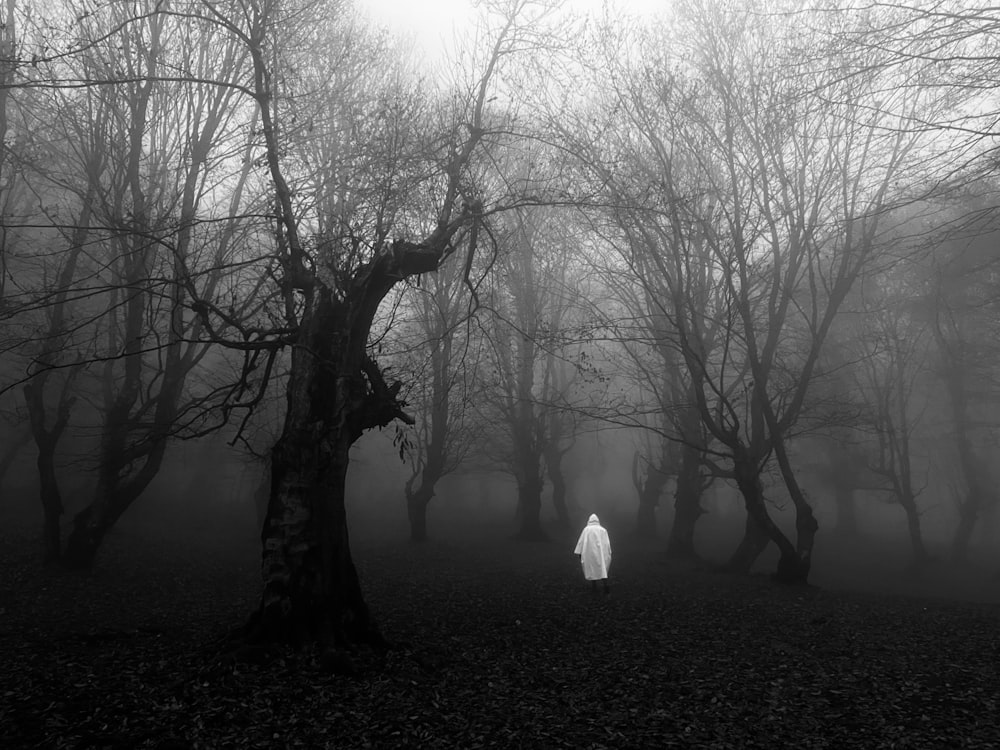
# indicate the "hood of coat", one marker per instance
pixel 593 519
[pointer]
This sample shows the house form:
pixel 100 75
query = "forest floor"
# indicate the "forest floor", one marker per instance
pixel 501 645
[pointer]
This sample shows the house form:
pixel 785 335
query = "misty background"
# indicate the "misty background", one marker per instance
pixel 735 258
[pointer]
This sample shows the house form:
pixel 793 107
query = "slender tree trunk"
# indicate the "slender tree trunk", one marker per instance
pixel 52 507
pixel 687 506
pixel 645 515
pixel 968 515
pixel 261 496
pixel 795 569
pixel 529 501
pixel 649 499
pixel 970 507
pixel 47 436
pixel 847 510
pixel 11 452
pixel 92 524
pixel 840 473
pixel 416 511
pixel 752 546
pixel 650 486
pixel 46 440
pixel 553 463
pixel 115 492
pixel 909 505
pixel 759 522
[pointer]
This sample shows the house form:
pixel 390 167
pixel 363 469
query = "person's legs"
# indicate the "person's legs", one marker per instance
pixel 607 586
pixel 593 586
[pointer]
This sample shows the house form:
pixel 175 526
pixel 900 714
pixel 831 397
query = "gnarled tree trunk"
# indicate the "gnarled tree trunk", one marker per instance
pixel 311 591
pixel 760 527
pixel 311 588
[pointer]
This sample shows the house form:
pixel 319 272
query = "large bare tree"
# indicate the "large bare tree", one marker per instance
pixel 751 179
pixel 341 251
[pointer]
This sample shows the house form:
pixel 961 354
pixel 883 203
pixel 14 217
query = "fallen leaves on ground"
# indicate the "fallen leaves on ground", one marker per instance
pixel 500 646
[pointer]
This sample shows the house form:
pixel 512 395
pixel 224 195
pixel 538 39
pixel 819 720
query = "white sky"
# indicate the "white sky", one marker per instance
pixel 434 23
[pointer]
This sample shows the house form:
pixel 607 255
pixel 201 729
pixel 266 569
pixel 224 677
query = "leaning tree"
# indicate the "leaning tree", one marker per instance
pixel 129 141
pixel 753 172
pixel 398 191
pixel 440 358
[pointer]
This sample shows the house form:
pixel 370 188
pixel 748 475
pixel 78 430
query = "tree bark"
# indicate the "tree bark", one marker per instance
pixel 311 593
pixel 335 392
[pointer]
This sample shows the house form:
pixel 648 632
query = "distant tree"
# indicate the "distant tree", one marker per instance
pixel 142 128
pixel 15 208
pixel 12 193
pixel 834 439
pixel 677 444
pixel 951 46
pixel 753 176
pixel 525 299
pixel 962 308
pixel 444 354
pixel 887 380
pixel 569 384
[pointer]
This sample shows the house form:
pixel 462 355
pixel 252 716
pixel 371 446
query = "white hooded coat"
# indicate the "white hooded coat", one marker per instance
pixel 594 549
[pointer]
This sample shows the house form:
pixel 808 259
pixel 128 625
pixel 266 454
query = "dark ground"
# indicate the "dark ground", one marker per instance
pixel 504 647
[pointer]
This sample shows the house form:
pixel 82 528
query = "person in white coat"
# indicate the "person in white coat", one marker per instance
pixel 594 549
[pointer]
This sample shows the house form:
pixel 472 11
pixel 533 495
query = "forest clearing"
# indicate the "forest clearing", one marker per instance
pixel 322 337
pixel 496 643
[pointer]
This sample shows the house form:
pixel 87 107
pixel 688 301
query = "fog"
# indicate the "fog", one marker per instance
pixel 722 274
pixel 324 322
pixel 205 505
